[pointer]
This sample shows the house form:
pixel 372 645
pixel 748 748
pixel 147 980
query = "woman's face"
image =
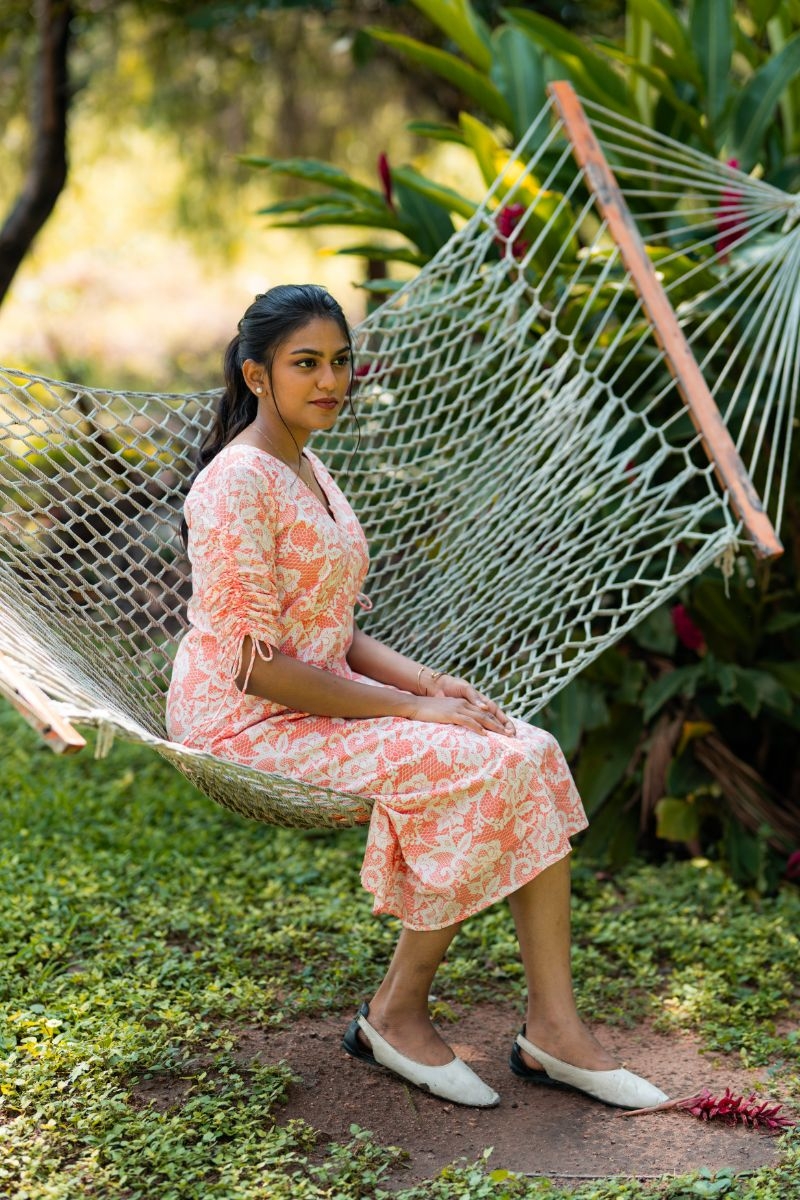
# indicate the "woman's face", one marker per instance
pixel 310 377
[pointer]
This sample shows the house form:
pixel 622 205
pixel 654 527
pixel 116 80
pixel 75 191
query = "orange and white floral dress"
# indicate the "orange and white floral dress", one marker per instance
pixel 460 819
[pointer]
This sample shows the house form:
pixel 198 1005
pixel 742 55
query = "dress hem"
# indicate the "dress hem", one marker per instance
pixel 379 909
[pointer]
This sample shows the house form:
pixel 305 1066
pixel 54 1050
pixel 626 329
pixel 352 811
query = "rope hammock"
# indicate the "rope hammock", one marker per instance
pixel 568 413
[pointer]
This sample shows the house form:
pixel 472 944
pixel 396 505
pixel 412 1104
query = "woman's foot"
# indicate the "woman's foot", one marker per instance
pixel 413 1036
pixel 450 1080
pixel 570 1042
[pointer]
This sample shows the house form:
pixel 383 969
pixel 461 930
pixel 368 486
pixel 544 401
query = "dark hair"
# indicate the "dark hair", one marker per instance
pixel 268 322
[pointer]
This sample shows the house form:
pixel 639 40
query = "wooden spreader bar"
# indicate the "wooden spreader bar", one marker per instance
pixel 717 441
pixel 38 710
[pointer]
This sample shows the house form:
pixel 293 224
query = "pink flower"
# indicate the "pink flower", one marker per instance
pixel 734 1110
pixel 689 634
pixel 731 223
pixel 365 369
pixel 385 175
pixel 506 221
pixel 793 865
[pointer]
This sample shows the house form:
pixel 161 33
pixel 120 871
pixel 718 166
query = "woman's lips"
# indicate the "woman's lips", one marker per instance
pixel 327 404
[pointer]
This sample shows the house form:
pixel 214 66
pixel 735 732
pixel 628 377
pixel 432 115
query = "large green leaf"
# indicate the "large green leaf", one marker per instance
pixel 677 820
pixel 787 672
pixel 750 688
pixel 662 83
pixel 727 626
pixel 711 26
pixel 682 682
pixel 672 33
pixel 425 221
pixel 763 10
pixel 755 105
pixel 606 755
pixel 446 197
pixel 437 130
pixel 462 25
pixel 454 70
pixel 518 73
pixel 577 707
pixel 592 75
pixel 386 253
pixel 314 171
pixel 338 214
pixel 302 203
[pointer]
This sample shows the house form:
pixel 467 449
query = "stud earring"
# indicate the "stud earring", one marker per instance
pixel 259 390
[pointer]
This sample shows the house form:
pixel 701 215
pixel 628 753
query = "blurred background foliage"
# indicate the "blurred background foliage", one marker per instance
pixel 380 124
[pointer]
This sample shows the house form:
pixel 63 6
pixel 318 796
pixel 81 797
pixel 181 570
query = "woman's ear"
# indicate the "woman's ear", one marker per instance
pixel 254 376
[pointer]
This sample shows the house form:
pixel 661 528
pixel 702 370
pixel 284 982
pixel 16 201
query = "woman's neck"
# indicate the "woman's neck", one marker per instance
pixel 281 443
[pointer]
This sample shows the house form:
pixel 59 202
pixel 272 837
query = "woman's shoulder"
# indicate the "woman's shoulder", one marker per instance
pixel 236 473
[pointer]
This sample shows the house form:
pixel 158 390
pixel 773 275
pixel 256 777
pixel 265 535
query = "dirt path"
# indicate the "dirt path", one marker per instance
pixel 535 1130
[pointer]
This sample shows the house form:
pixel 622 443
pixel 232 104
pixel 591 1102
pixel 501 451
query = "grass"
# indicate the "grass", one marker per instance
pixel 140 923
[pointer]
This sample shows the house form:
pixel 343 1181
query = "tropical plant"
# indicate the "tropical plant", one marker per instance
pixel 687 731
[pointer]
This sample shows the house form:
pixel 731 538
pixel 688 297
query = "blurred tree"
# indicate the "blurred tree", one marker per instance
pixel 216 77
pixel 47 171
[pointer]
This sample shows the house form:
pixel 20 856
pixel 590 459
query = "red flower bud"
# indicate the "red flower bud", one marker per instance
pixel 731 223
pixel 793 865
pixel 506 221
pixel 689 634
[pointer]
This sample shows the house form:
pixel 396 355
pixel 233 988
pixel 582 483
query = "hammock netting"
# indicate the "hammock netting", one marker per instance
pixel 528 476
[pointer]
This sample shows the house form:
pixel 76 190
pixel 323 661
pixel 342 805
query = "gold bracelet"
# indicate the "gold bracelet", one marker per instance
pixel 434 676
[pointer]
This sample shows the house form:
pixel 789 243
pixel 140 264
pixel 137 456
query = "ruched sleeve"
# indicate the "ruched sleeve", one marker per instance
pixel 231 513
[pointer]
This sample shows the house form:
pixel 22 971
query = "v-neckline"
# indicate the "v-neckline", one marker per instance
pixel 325 504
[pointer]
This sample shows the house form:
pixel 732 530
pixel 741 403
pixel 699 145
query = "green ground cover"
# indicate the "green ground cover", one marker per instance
pixel 140 923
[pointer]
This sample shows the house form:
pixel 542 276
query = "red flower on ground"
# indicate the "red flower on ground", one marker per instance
pixel 735 1110
pixel 689 634
pixel 793 866
pixel 730 219
pixel 385 175
pixel 507 221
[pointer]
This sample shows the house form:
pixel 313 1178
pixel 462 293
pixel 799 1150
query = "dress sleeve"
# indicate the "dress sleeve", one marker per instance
pixel 232 527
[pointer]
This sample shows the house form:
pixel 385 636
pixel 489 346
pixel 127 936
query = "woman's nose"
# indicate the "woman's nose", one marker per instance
pixel 326 380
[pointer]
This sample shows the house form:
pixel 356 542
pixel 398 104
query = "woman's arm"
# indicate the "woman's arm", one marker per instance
pixel 372 658
pixel 303 688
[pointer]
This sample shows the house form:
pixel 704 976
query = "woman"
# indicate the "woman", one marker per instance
pixel 470 806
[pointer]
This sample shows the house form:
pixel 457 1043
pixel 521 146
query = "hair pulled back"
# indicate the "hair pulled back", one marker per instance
pixel 270 320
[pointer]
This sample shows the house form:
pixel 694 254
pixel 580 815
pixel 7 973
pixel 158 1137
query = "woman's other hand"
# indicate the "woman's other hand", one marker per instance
pixel 452 685
pixel 483 716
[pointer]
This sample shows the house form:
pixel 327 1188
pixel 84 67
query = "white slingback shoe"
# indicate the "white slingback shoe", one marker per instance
pixel 619 1087
pixel 454 1081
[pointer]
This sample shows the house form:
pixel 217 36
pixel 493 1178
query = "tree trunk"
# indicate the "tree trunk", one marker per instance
pixel 47 172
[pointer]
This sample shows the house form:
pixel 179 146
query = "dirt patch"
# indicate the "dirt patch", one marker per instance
pixel 535 1130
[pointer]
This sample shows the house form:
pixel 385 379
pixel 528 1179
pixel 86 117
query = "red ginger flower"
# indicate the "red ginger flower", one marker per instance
pixel 506 221
pixel 731 223
pixel 689 634
pixel 733 1110
pixel 793 865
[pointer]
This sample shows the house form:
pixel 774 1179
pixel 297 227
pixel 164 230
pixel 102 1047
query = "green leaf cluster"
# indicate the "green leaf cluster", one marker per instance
pixel 722 77
pixel 144 930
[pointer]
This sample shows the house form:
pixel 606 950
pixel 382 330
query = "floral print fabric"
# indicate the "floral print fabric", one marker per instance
pixel 460 819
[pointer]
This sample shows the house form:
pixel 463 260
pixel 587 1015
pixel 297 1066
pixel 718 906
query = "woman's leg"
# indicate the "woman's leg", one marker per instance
pixel 399 1008
pixel 541 911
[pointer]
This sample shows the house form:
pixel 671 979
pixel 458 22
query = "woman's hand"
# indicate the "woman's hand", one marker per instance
pixel 454 701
